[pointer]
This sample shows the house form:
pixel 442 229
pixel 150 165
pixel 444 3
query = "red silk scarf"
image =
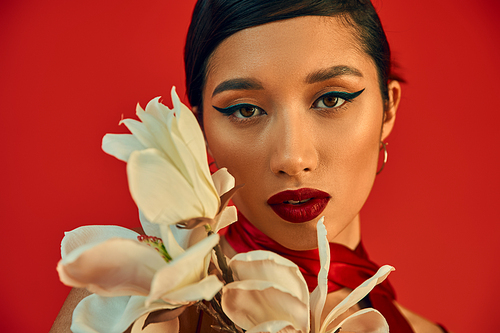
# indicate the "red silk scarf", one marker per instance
pixel 348 269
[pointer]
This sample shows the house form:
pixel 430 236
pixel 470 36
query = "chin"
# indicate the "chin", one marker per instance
pixel 298 237
pixel 303 236
pixel 302 244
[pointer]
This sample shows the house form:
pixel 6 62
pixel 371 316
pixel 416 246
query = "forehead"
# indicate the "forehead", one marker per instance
pixel 288 49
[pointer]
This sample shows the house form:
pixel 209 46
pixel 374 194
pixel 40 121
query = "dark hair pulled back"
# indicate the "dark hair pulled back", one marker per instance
pixel 215 20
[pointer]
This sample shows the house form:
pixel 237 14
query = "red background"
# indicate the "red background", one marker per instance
pixel 69 70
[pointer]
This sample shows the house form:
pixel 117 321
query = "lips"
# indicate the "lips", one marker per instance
pixel 300 205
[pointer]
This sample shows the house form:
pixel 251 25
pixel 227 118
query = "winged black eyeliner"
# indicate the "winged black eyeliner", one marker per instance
pixel 344 95
pixel 232 109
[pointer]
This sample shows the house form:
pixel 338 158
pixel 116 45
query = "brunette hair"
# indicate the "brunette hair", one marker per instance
pixel 215 20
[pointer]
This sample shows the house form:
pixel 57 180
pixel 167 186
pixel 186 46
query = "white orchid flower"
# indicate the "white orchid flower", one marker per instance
pixel 167 167
pixel 270 295
pixel 131 279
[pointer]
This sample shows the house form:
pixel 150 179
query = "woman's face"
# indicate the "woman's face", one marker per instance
pixel 293 110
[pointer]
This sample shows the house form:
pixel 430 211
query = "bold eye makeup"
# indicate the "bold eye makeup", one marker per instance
pixel 330 100
pixel 335 99
pixel 241 110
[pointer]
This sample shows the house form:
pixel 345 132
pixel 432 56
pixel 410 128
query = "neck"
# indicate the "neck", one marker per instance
pixel 350 236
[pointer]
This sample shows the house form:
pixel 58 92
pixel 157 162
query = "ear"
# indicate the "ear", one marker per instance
pixel 392 106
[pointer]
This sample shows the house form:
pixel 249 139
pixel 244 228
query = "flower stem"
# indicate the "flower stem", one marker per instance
pixel 226 325
pixel 227 274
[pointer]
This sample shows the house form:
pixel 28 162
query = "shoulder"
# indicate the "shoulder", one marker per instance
pixel 417 322
pixel 62 323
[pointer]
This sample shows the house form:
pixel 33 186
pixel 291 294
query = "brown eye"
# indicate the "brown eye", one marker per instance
pixel 247 111
pixel 328 101
pixel 241 111
pixel 335 99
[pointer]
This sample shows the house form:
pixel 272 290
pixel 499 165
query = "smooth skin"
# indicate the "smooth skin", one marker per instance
pixel 289 135
pixel 292 140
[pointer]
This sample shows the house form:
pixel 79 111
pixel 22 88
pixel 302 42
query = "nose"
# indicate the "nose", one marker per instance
pixel 294 151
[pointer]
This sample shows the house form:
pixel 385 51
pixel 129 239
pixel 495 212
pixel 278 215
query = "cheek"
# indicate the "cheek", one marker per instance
pixel 360 151
pixel 352 161
pixel 245 161
pixel 243 158
pixel 360 166
pixel 361 142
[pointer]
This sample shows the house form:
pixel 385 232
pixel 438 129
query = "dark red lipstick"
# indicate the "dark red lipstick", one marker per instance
pixel 300 205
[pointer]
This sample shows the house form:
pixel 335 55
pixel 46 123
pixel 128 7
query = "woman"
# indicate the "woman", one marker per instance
pixel 296 101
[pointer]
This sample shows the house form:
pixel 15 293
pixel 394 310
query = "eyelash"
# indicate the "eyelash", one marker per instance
pixel 233 109
pixel 338 95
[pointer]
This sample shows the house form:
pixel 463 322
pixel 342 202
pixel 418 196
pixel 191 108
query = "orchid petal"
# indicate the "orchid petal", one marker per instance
pixel 165 141
pixel 204 289
pixel 170 326
pixel 140 132
pixel 226 217
pixel 318 296
pixel 268 266
pixel 205 190
pixel 251 302
pixel 96 314
pixel 189 139
pixel 163 113
pixel 156 317
pixel 183 236
pixel 223 181
pixel 138 108
pixel 152 180
pixel 92 234
pixel 169 234
pixel 189 130
pixel 357 294
pixel 196 235
pixel 173 248
pixel 176 137
pixel 207 194
pixel 121 145
pixel 364 321
pixel 275 326
pixel 150 229
pixel 184 270
pixel 116 267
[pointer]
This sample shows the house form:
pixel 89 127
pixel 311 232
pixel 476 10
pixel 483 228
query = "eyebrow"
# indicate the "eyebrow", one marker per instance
pixel 318 76
pixel 332 72
pixel 238 84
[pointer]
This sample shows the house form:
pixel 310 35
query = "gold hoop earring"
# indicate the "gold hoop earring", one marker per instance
pixel 384 147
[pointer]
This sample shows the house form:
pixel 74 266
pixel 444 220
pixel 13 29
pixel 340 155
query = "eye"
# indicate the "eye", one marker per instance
pixel 241 110
pixel 328 101
pixel 335 99
pixel 247 111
